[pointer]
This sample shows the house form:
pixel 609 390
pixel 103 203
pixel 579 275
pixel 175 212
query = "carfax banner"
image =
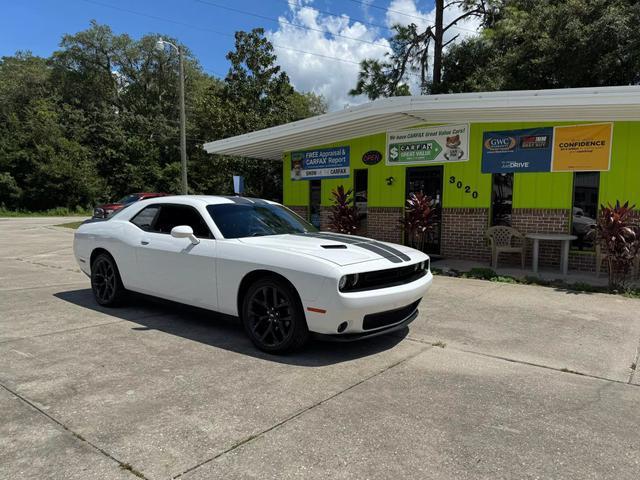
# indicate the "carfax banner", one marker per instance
pixel 526 150
pixel 321 163
pixel 445 143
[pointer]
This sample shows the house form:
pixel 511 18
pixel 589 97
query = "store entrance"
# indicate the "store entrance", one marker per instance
pixel 428 180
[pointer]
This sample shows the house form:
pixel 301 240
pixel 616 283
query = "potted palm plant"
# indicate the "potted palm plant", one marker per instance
pixel 418 219
pixel 618 240
pixel 344 214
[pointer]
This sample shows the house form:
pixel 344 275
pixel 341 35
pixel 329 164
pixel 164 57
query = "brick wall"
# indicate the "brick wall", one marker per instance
pixel 303 211
pixel 540 220
pixel 463 233
pixel 584 261
pixel 324 218
pixel 382 224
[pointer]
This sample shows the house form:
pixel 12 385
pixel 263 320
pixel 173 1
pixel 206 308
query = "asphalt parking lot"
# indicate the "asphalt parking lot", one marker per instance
pixel 491 381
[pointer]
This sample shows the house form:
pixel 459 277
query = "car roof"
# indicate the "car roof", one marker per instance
pixel 206 200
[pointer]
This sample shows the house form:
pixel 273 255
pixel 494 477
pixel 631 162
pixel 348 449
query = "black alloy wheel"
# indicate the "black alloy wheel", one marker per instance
pixel 105 281
pixel 273 317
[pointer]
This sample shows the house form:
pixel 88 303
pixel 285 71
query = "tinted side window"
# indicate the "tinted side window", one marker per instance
pixel 144 218
pixel 173 215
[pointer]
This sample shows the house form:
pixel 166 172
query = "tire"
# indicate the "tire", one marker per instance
pixel 273 317
pixel 106 283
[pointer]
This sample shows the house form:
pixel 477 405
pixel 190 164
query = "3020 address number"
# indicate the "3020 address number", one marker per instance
pixel 467 188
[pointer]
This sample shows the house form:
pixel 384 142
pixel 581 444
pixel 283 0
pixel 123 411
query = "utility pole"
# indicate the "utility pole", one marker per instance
pixel 437 47
pixel 160 45
pixel 183 128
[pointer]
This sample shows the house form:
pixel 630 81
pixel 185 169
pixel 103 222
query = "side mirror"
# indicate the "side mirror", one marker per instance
pixel 184 231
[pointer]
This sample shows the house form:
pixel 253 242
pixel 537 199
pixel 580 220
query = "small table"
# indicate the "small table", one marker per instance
pixel 558 237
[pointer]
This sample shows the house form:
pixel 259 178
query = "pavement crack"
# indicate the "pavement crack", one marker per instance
pixel 62 331
pixel 253 437
pixel 123 465
pixel 634 365
pixel 529 364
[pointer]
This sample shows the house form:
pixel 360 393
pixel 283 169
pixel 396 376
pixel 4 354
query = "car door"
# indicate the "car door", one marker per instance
pixel 175 268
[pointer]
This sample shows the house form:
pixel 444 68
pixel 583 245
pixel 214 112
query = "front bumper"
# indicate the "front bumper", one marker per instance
pixel 338 307
pixel 352 337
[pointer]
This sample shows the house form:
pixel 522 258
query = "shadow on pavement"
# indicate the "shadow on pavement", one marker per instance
pixel 224 331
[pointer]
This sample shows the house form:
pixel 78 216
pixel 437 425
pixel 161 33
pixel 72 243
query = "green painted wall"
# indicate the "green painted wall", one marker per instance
pixel 531 190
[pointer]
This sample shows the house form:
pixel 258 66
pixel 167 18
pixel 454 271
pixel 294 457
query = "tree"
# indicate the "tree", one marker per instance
pixel 255 94
pixel 99 119
pixel 550 44
pixel 411 51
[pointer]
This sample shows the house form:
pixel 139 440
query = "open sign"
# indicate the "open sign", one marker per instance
pixel 371 157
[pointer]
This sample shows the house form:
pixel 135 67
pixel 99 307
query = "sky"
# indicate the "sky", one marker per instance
pixel 319 43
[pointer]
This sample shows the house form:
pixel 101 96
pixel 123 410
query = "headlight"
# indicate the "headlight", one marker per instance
pixel 347 282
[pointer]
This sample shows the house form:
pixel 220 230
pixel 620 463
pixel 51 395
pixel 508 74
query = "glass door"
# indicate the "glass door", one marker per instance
pixel 428 180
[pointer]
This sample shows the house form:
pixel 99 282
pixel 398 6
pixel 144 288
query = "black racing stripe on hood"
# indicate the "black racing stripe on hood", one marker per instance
pixel 395 251
pixel 370 245
pixel 337 238
pixel 383 253
pixel 342 238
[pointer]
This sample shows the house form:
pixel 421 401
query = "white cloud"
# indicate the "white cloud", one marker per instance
pixel 330 36
pixel 325 76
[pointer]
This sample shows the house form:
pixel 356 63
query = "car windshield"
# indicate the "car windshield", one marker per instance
pixel 257 219
pixel 128 199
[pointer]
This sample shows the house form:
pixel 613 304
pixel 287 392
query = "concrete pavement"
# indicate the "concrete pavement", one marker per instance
pixel 159 390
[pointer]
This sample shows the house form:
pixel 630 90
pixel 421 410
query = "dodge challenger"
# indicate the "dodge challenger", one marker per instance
pixel 257 260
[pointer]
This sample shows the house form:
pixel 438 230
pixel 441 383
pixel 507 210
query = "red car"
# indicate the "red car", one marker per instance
pixel 103 211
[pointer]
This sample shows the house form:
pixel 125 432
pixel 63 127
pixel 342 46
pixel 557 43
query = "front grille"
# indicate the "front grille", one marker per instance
pixel 387 278
pixel 382 319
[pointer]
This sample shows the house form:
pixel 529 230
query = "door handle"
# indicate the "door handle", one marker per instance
pixel 144 242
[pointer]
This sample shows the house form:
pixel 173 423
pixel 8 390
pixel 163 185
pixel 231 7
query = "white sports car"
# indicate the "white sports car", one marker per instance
pixel 257 260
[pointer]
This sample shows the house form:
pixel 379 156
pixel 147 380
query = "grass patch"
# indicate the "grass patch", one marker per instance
pixel 72 225
pixel 53 212
pixel 485 273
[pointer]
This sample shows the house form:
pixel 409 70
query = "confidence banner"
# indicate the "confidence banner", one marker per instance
pixel 321 163
pixel 581 148
pixel 446 143
pixel 526 150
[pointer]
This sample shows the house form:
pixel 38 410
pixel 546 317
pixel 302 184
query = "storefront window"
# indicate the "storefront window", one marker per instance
pixel 501 198
pixel 360 195
pixel 315 195
pixel 585 207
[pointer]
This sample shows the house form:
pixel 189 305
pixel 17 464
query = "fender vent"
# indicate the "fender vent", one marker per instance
pixel 333 246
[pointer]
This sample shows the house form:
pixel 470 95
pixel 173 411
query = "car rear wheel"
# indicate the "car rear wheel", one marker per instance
pixel 105 281
pixel 273 317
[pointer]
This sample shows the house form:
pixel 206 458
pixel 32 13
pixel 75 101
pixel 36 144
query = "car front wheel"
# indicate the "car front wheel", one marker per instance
pixel 105 281
pixel 273 317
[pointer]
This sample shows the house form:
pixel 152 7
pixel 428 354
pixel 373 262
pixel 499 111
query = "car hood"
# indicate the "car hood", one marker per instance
pixel 339 249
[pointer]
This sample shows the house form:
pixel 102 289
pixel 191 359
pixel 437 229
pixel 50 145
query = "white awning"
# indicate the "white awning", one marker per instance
pixel 387 114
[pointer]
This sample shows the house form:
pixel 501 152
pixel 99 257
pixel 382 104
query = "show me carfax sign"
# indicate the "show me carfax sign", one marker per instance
pixel 441 144
pixel 321 163
pixel 575 148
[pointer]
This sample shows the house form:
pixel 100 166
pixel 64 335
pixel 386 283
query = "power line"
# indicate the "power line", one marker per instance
pixel 216 32
pixel 286 22
pixel 336 15
pixel 425 17
pixel 224 34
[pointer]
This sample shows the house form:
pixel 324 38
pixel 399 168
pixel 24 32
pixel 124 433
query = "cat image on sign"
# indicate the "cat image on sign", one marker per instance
pixel 453 150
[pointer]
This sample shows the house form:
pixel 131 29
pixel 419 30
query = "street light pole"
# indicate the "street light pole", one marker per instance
pixel 183 129
pixel 160 45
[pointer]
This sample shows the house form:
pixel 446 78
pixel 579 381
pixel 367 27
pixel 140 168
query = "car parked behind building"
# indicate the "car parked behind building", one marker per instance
pixel 104 210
